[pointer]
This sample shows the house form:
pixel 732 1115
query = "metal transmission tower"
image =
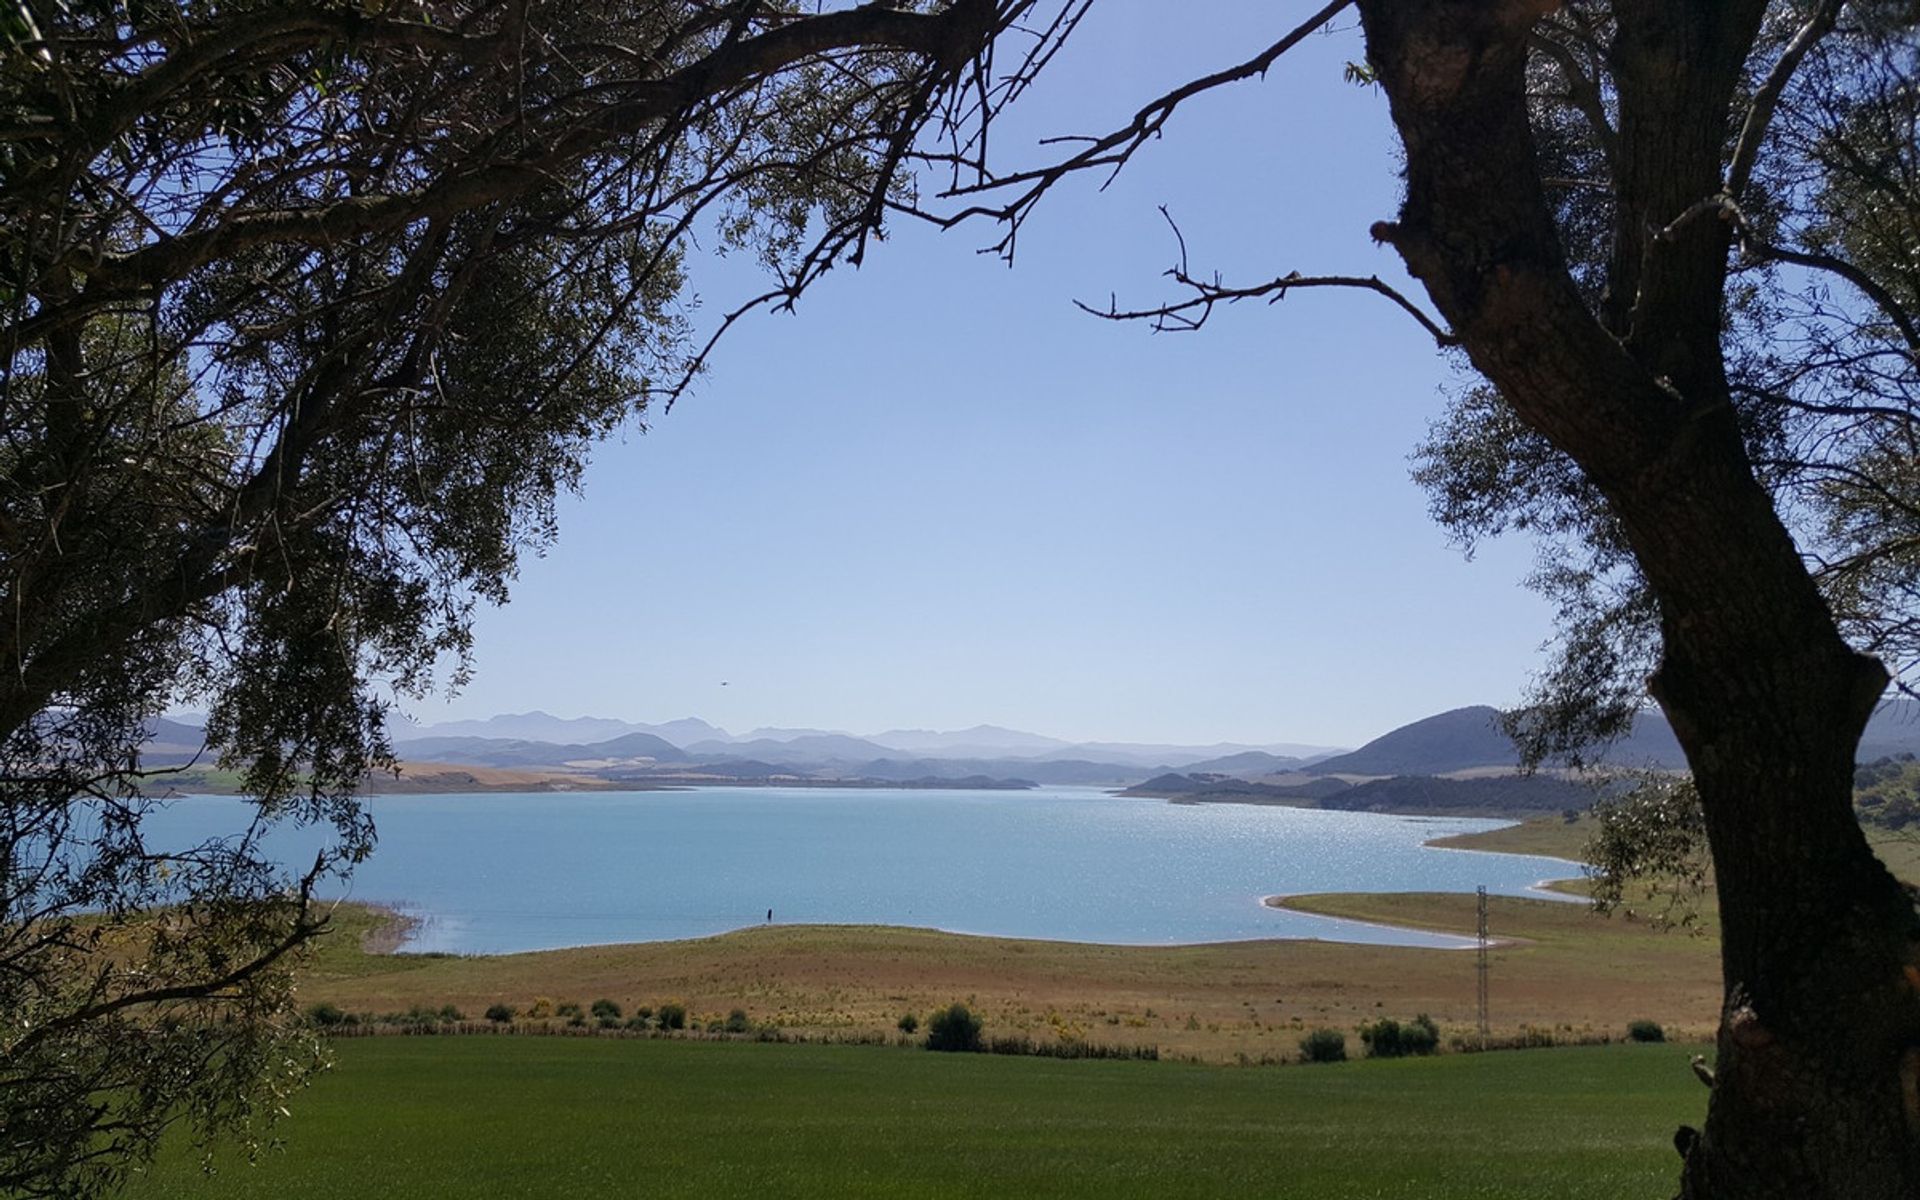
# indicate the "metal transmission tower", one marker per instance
pixel 1482 966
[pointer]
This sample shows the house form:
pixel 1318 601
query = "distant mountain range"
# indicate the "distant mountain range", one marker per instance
pixel 698 738
pixel 1399 768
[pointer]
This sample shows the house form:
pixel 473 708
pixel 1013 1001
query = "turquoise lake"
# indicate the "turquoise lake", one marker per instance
pixel 497 873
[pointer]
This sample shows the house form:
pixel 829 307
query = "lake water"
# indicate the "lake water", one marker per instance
pixel 505 872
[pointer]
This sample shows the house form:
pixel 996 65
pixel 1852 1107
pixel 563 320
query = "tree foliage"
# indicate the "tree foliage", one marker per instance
pixel 1822 349
pixel 311 309
pixel 1648 853
pixel 1675 242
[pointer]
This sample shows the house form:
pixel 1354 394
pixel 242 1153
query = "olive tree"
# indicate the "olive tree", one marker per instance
pixel 1676 242
pixel 309 310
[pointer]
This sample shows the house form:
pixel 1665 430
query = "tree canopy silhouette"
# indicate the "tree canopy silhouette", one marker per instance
pixel 310 310
pixel 1677 242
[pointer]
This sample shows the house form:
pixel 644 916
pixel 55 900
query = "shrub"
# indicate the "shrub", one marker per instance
pixel 450 1013
pixel 737 1021
pixel 909 1023
pixel 1388 1038
pixel 578 1020
pixel 500 1014
pixel 954 1028
pixel 1022 1044
pixel 325 1015
pixel 637 1022
pixel 1324 1045
pixel 419 1017
pixel 673 1016
pixel 604 1009
pixel 1646 1031
pixel 569 1009
pixel 542 1008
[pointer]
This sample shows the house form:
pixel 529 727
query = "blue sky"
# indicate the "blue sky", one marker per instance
pixel 938 495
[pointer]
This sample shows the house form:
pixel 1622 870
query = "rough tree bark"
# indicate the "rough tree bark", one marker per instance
pixel 1818 1083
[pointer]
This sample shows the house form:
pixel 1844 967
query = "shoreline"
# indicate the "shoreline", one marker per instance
pixel 1215 1001
pixel 396 928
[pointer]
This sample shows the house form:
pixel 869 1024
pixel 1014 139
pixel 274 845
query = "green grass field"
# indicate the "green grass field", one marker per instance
pixel 582 1118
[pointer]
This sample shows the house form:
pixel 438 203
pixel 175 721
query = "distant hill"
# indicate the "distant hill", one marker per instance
pixel 1052 771
pixel 1492 796
pixel 1211 787
pixel 981 741
pixel 808 749
pixel 1448 741
pixel 519 752
pixel 533 726
pixel 1186 757
pixel 174 743
pixel 1247 762
pixel 538 726
pixel 686 731
pixel 1464 738
pixel 771 733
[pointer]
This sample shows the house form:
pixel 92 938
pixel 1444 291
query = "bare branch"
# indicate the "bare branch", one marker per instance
pixel 1112 151
pixel 1190 314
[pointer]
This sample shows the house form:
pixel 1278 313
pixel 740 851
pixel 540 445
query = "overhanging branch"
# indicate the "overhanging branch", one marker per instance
pixel 1112 151
pixel 1184 316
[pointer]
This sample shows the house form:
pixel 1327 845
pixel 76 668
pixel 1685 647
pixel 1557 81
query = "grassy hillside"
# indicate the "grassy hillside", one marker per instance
pixel 578 1119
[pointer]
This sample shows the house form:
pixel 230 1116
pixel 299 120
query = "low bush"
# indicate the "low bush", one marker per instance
pixel 673 1016
pixel 636 1022
pixel 419 1017
pixel 909 1024
pixel 569 1009
pixel 500 1014
pixel 604 1008
pixel 737 1021
pixel 1646 1031
pixel 541 1009
pixel 325 1015
pixel 449 1013
pixel 1324 1045
pixel 1074 1048
pixel 1388 1038
pixel 954 1029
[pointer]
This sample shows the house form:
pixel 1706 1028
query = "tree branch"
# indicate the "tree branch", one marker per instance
pixel 1753 131
pixel 1112 151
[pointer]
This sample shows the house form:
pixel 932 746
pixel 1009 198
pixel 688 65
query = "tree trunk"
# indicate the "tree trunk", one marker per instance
pixel 1817 1092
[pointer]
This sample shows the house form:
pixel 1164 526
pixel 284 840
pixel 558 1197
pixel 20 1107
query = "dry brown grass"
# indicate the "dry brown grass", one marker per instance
pixel 1578 974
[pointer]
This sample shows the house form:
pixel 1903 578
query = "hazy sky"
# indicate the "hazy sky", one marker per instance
pixel 939 495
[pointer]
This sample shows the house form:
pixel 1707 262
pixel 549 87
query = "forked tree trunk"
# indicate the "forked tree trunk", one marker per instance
pixel 1818 1087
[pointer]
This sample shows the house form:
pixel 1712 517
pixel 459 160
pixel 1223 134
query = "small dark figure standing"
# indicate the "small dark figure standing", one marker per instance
pixel 769 916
